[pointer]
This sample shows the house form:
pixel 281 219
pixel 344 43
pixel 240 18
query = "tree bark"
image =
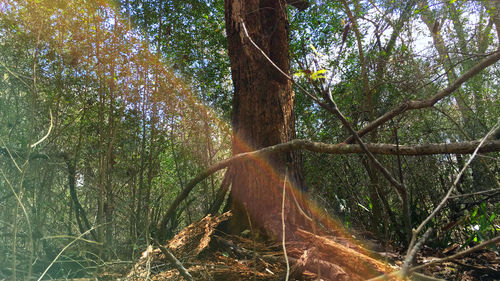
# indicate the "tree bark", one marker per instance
pixel 262 114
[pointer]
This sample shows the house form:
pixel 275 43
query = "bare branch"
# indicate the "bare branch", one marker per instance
pixel 386 149
pixel 48 132
pixel 174 261
pixel 411 254
pixel 419 104
pixel 396 274
pixel 283 240
pixel 485 244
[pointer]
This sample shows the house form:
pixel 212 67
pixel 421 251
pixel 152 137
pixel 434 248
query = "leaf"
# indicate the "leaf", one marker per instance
pixel 315 51
pixel 473 215
pixel 299 74
pixel 318 74
pixel 492 217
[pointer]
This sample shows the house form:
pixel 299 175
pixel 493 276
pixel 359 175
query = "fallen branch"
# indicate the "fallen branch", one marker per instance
pixel 384 149
pixel 174 261
pixel 438 261
pixel 338 257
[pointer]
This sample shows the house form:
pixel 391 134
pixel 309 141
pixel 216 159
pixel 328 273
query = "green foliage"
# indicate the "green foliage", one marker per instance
pixel 482 224
pixel 140 100
pixel 190 36
pixel 134 132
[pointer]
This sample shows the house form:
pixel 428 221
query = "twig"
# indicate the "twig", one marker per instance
pixel 438 261
pixel 254 252
pixel 460 254
pixel 62 251
pixel 475 193
pixel 18 76
pixel 48 132
pixel 283 241
pixel 174 261
pixel 298 206
pixel 69 236
pixel 10 155
pixel 314 98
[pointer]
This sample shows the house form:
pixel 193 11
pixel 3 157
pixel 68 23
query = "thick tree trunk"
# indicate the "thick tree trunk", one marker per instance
pixel 262 115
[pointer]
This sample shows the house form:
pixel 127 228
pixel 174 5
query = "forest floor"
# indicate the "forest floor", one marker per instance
pixel 208 254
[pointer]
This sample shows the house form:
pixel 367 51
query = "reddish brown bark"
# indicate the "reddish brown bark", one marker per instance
pixel 262 113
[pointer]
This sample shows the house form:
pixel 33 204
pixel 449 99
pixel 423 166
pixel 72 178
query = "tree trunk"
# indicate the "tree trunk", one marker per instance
pixel 262 116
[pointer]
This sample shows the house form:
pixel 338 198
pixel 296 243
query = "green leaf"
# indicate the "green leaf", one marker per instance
pixel 492 217
pixel 299 74
pixel 473 215
pixel 315 51
pixel 318 74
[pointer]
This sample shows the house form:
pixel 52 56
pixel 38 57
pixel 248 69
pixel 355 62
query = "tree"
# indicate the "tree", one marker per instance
pixel 105 130
pixel 262 114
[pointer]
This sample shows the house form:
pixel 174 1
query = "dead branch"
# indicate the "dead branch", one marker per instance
pixel 413 253
pixel 344 258
pixel 438 261
pixel 384 149
pixel 174 261
pixel 283 240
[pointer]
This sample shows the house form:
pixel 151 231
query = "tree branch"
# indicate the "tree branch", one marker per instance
pixel 396 274
pixel 377 148
pixel 174 261
pixel 299 4
pixel 419 104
